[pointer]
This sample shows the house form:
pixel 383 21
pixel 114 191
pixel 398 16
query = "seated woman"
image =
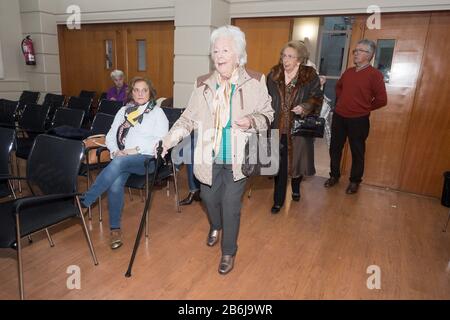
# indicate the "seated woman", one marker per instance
pixel 137 127
pixel 119 91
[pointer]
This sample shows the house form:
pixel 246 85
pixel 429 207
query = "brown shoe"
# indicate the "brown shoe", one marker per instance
pixel 116 238
pixel 352 188
pixel 226 264
pixel 213 238
pixel 331 182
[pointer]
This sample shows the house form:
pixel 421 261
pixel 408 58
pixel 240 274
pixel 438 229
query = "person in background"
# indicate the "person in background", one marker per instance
pixel 295 90
pixel 119 91
pixel 359 91
pixel 135 130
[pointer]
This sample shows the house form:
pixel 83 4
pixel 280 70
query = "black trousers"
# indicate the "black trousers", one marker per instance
pixel 357 131
pixel 223 202
pixel 281 178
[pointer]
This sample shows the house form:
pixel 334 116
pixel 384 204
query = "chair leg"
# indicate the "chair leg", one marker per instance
pixel 175 183
pixel 11 187
pixel 446 225
pixel 19 258
pixel 129 192
pixel 146 214
pixel 49 238
pixel 86 232
pixel 30 239
pixel 100 210
pixel 18 174
pixel 168 188
pixel 88 184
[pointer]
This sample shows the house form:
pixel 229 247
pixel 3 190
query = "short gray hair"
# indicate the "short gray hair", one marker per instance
pixel 238 38
pixel 117 74
pixel 370 44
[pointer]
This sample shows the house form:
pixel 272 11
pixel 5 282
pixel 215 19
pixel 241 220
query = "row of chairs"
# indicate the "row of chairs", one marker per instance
pixel 53 166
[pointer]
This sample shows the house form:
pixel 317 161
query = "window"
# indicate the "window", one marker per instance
pixel 142 55
pixel 109 54
pixel 383 57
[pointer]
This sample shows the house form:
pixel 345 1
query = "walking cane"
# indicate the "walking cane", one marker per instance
pixel 159 150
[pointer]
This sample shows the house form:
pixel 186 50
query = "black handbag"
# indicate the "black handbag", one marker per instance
pixel 258 144
pixel 309 126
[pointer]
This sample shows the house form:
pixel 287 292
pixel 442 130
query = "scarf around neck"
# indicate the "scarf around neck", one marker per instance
pixel 221 106
pixel 133 115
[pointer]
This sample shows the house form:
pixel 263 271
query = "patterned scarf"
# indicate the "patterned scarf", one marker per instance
pixel 133 115
pixel 221 106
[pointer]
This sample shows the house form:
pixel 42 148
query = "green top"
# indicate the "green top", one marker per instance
pixel 225 151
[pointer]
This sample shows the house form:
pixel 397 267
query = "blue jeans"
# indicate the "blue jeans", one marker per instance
pixel 113 179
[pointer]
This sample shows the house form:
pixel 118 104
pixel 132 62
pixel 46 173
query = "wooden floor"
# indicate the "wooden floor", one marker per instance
pixel 318 248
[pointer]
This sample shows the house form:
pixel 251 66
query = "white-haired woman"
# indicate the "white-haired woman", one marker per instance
pixel 224 107
pixel 119 91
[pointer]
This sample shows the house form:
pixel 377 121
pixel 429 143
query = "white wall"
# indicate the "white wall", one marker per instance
pixel 14 80
pixel 270 8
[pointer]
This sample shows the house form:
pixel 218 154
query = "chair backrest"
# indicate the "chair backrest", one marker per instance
pixel 54 101
pixel 82 103
pixel 172 114
pixel 68 117
pixel 102 123
pixel 7 137
pixel 29 97
pixel 103 96
pixel 87 94
pixel 33 117
pixel 110 107
pixel 8 110
pixel 54 163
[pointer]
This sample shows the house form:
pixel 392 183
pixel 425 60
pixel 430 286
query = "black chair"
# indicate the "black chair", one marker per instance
pixel 87 94
pixel 52 168
pixel 103 96
pixel 31 124
pixel 81 103
pixel 8 110
pixel 67 117
pixel 110 107
pixel 53 102
pixel 7 139
pixel 25 98
pixel 166 171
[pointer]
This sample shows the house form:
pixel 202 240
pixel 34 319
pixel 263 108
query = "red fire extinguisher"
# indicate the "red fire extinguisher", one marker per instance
pixel 28 51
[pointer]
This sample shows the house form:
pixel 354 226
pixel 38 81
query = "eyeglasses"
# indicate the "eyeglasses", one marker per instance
pixel 288 56
pixel 360 50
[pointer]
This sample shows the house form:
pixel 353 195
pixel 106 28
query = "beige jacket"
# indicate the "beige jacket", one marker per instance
pixel 250 98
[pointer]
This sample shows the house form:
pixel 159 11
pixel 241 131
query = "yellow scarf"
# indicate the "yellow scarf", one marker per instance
pixel 221 106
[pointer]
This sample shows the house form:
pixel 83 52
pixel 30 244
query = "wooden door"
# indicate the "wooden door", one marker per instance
pixel 83 55
pixel 265 37
pixel 427 153
pixel 385 146
pixel 150 54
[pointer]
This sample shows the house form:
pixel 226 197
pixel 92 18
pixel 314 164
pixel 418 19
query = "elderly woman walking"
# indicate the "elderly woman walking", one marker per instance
pixel 295 90
pixel 225 106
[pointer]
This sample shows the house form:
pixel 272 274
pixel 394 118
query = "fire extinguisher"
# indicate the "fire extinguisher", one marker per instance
pixel 28 51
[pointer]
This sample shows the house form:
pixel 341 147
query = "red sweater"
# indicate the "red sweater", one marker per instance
pixel 359 92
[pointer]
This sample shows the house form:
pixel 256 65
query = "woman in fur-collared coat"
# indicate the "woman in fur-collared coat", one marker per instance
pixel 295 90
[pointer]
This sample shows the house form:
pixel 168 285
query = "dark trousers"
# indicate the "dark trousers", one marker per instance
pixel 357 131
pixel 281 178
pixel 223 202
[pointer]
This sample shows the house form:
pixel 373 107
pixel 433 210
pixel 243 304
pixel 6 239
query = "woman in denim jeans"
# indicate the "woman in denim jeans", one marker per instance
pixel 135 130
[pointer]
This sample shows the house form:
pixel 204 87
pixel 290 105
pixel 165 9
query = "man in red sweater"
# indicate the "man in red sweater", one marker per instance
pixel 359 91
